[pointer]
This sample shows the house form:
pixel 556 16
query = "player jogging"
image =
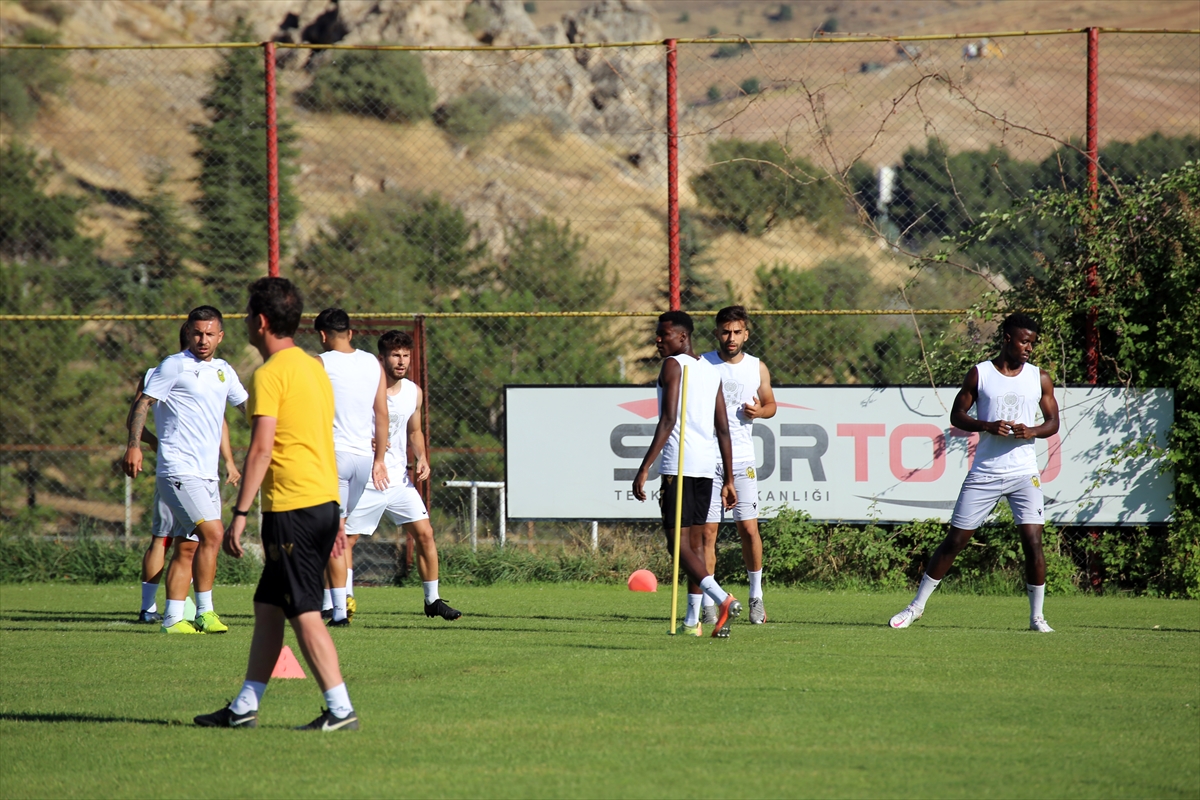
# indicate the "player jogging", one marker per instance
pixel 746 385
pixel 359 418
pixel 192 387
pixel 1007 391
pixel 401 501
pixel 707 433
pixel 292 459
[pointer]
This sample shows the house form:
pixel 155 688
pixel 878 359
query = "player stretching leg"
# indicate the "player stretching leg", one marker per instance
pixel 1008 391
pixel 192 386
pixel 292 459
pixel 401 501
pixel 360 416
pixel 746 384
pixel 707 433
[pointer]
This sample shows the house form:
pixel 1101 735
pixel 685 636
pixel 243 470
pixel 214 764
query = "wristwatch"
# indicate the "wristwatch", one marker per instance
pixel 239 513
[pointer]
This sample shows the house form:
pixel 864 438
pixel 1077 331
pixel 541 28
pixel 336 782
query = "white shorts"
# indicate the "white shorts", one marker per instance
pixel 191 501
pixel 401 501
pixel 980 493
pixel 354 475
pixel 163 526
pixel 745 481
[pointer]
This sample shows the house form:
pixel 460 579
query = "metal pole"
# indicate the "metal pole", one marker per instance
pixel 474 518
pixel 1092 337
pixel 128 511
pixel 595 535
pixel 672 176
pixel 272 164
pixel 503 516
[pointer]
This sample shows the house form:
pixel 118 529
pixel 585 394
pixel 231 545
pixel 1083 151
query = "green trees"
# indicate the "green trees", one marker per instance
pixel 28 78
pixel 382 84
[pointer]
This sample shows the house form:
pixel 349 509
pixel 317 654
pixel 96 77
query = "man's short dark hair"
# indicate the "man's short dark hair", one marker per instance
pixel 280 302
pixel 395 340
pixel 1016 322
pixel 183 342
pixel 680 319
pixel 204 314
pixel 733 314
pixel 333 320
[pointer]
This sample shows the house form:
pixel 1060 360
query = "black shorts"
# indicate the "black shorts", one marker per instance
pixel 697 494
pixel 296 547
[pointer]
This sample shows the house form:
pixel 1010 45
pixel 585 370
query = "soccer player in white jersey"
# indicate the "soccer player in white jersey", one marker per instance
pixel 192 387
pixel 400 500
pixel 705 445
pixel 359 435
pixel 1007 392
pixel 163 526
pixel 746 384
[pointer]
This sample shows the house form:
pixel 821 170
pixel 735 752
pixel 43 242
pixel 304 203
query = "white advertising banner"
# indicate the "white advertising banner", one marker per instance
pixel 837 452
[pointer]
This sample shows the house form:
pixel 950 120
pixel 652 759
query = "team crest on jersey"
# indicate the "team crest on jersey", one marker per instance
pixel 221 375
pixel 1037 484
pixel 750 473
pixel 733 392
pixel 1010 405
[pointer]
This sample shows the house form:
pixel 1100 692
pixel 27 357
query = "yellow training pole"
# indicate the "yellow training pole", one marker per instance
pixel 678 500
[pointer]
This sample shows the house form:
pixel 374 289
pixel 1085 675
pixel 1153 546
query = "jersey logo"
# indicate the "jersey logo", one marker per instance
pixel 750 473
pixel 733 392
pixel 1010 406
pixel 221 375
pixel 1037 484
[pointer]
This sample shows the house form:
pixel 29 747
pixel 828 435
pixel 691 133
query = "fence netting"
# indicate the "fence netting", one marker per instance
pixel 485 188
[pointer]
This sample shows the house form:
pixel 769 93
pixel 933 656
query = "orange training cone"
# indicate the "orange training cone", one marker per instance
pixel 643 580
pixel 287 666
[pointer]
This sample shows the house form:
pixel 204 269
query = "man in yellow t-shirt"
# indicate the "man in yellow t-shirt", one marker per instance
pixel 291 458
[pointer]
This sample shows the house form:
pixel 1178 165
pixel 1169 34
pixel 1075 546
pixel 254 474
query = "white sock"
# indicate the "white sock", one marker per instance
pixel 149 590
pixel 203 602
pixel 707 602
pixel 248 698
pixel 339 604
pixel 350 582
pixel 431 591
pixel 693 612
pixel 926 588
pixel 1036 595
pixel 713 590
pixel 326 601
pixel 755 583
pixel 337 700
pixel 174 613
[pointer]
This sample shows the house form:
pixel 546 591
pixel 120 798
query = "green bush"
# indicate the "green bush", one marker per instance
pixel 731 50
pixel 751 86
pixel 383 84
pixel 713 94
pixel 28 78
pixel 472 116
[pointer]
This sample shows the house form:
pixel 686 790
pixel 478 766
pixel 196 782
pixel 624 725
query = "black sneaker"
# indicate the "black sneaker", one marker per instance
pixel 149 617
pixel 225 718
pixel 329 722
pixel 438 608
pixel 344 622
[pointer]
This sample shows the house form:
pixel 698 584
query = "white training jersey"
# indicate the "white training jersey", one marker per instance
pixel 192 395
pixel 700 451
pixel 739 383
pixel 401 407
pixel 157 406
pixel 1016 399
pixel 355 379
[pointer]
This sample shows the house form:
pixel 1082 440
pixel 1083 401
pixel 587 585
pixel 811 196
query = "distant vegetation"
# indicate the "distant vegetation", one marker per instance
pixel 387 85
pixel 469 118
pixel 29 78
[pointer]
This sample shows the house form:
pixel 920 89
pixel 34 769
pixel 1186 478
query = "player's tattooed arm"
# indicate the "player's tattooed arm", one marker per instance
pixel 132 463
pixel 669 378
pixel 1049 408
pixel 763 405
pixel 379 473
pixel 147 437
pixel 960 416
pixel 721 427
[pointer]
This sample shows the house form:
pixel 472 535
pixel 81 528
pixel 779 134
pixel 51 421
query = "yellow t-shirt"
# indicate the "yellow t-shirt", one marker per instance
pixel 293 388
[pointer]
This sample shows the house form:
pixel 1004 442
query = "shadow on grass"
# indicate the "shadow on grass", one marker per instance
pixel 1141 628
pixel 82 717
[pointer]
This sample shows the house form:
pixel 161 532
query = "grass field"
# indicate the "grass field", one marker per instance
pixel 575 691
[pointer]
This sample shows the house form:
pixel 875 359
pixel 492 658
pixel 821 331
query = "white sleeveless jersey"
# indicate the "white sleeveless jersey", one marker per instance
pixel 401 407
pixel 355 379
pixel 1014 399
pixel 739 383
pixel 700 452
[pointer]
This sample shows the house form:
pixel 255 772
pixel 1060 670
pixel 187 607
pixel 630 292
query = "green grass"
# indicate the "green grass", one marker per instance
pixel 575 691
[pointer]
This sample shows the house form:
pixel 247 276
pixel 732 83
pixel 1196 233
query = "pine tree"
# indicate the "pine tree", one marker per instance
pixel 232 239
pixel 159 245
pixel 698 290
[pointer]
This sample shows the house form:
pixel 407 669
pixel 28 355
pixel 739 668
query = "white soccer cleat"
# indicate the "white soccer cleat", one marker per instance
pixel 906 617
pixel 1040 625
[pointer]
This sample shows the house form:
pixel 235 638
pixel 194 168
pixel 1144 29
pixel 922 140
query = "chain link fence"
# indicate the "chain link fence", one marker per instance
pixel 517 201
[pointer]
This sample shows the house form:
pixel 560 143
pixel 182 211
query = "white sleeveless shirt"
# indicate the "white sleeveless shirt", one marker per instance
pixel 700 452
pixel 739 383
pixel 355 379
pixel 1015 399
pixel 401 407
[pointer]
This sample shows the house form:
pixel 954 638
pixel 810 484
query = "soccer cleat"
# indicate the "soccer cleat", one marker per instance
pixel 225 718
pixel 730 610
pixel 758 614
pixel 709 615
pixel 351 606
pixel 438 608
pixel 689 630
pixel 329 722
pixel 149 617
pixel 344 622
pixel 183 626
pixel 907 617
pixel 1040 625
pixel 327 614
pixel 209 622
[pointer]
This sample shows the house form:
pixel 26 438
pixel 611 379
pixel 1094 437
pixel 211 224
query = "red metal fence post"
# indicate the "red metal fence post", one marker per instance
pixel 272 165
pixel 672 177
pixel 1093 155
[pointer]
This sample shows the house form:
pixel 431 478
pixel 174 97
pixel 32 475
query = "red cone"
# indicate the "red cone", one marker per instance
pixel 287 666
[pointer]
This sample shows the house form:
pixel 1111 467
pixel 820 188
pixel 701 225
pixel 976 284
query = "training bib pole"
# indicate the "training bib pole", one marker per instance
pixel 678 500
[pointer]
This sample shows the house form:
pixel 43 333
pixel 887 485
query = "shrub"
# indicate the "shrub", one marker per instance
pixel 28 78
pixel 731 50
pixel 472 116
pixel 713 94
pixel 830 25
pixel 751 86
pixel 529 6
pixel 383 84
